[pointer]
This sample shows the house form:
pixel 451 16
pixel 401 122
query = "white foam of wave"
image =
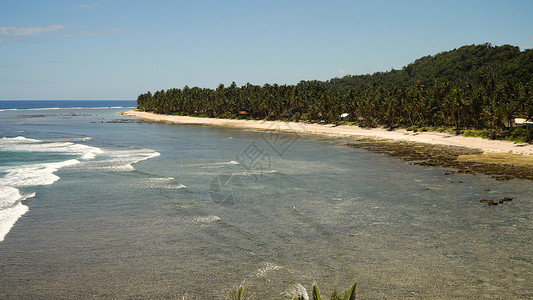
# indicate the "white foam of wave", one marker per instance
pixel 16 140
pixel 10 109
pixel 89 155
pixel 82 139
pixel 8 218
pixel 77 108
pixel 218 165
pixel 255 172
pixel 110 107
pixel 176 187
pixel 122 160
pixel 161 179
pixel 25 144
pixel 46 108
pixel 164 183
pixel 36 174
pixel 205 219
pixel 11 207
pixel 9 196
pixel 121 168
pixel 214 165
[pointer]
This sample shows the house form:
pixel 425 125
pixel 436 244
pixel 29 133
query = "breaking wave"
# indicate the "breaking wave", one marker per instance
pixel 75 154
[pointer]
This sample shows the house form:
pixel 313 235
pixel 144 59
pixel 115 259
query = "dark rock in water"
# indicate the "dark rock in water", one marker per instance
pixel 492 202
pixel 489 202
pixel 124 121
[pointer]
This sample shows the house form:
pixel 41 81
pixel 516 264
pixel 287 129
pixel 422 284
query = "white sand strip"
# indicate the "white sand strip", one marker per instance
pixel 345 131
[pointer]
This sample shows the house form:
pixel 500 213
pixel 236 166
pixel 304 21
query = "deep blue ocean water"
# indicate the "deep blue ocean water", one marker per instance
pixel 94 204
pixel 50 104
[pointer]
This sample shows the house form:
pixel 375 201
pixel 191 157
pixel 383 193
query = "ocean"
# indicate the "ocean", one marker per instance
pixel 94 204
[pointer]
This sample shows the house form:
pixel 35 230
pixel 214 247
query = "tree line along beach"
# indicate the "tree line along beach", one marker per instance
pixel 448 100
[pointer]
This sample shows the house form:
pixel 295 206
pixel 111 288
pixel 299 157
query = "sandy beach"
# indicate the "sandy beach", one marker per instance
pixel 434 138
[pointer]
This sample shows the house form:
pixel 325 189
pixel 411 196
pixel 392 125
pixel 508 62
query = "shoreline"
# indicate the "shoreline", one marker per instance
pixel 501 160
pixel 402 135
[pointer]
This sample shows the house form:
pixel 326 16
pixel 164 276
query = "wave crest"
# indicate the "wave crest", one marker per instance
pixel 43 173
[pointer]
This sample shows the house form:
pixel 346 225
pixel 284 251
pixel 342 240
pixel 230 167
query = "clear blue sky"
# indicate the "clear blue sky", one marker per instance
pixel 117 49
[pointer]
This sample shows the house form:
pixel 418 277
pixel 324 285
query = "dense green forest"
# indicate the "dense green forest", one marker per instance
pixel 472 87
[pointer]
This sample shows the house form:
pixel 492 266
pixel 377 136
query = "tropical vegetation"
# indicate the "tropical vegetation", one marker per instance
pixel 479 88
pixel 243 292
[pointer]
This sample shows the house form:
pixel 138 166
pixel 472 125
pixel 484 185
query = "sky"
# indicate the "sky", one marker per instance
pixel 117 49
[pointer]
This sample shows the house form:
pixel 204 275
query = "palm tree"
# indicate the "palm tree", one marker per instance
pixel 348 294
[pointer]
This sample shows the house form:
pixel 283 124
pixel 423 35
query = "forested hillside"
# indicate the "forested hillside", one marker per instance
pixel 475 62
pixel 472 87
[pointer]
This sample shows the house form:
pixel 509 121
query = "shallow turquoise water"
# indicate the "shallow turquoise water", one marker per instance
pixel 155 210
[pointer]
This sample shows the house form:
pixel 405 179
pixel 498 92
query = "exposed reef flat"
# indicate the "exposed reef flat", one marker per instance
pixel 501 166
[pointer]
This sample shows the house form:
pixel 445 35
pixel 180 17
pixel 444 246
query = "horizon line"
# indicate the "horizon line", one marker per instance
pixel 68 99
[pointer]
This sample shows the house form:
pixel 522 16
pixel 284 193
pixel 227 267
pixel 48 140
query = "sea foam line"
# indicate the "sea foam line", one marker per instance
pixel 9 216
pixel 215 165
pixel 122 160
pixel 36 174
pixel 32 145
pixel 11 207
